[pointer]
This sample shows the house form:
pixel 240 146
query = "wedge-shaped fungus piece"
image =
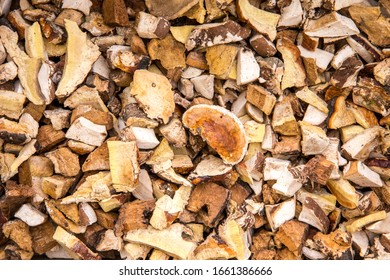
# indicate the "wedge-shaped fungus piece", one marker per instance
pixel 357 224
pixel 86 96
pixel 169 51
pixel 109 241
pixel 151 27
pixel 278 214
pixel 11 104
pixel 293 235
pixel 81 53
pixel 331 25
pixel 314 116
pixel 214 248
pixel 74 246
pixel 234 236
pixel 85 131
pixel 262 21
pixel 382 72
pixel 123 165
pixel 210 167
pixel 154 94
pixel 358 173
pixel 262 45
pixel 313 99
pixel 28 67
pixel 291 14
pixel 313 215
pixel 211 34
pixel 30 215
pixel 314 139
pixel 344 192
pixel 208 196
pixel 248 70
pixel 59 118
pixel 380 227
pixel 361 145
pixel 169 240
pixel 294 72
pixel 322 58
pixel 170 10
pixel 221 60
pixel 221 129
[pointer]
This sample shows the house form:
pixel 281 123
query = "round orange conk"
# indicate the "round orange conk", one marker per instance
pixel 220 128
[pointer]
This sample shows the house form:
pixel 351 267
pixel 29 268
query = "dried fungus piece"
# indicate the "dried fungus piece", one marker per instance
pixel 220 129
pixel 81 53
pixel 262 21
pixel 123 165
pixel 169 240
pixel 154 94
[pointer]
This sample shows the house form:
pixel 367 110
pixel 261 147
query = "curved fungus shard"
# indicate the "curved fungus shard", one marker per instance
pixel 220 128
pixel 81 53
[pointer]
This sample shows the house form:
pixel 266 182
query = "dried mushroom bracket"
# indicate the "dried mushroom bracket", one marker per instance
pixel 195 129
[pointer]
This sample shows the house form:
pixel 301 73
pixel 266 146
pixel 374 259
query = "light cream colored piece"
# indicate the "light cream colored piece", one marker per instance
pixel 313 99
pixel 278 214
pixel 294 72
pixel 59 118
pixel 181 33
pixel 145 137
pixel 169 240
pixel 382 72
pixel 74 246
pixel 109 241
pixel 360 146
pixel 291 15
pixel 322 58
pixel 123 165
pixel 30 215
pixel 358 173
pixel 132 251
pixel 204 84
pixel 314 139
pixel 286 184
pixel 83 6
pixel 314 116
pixel 262 21
pixel 154 94
pixel 8 72
pixel 144 189
pixel 331 25
pixel 254 131
pixel 274 168
pixel 168 209
pixel 28 67
pixel 380 227
pixel 341 55
pixel 248 70
pixel 235 237
pixel 85 131
pixel 11 104
pixel 81 53
pixel 357 224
